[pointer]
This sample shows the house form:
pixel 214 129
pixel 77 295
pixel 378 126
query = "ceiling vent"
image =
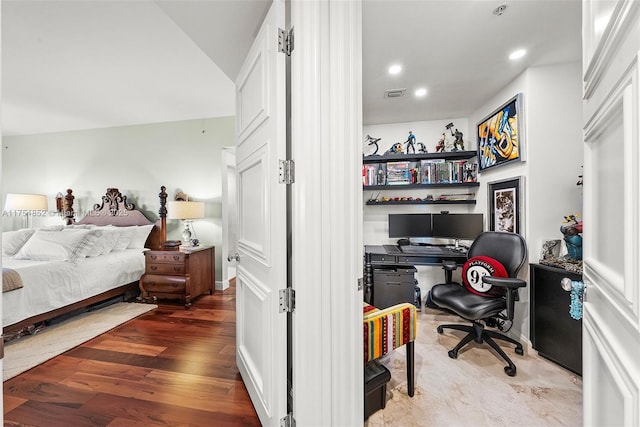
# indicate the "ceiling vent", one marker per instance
pixel 394 93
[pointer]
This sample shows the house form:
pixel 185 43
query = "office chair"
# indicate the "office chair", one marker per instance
pixel 485 297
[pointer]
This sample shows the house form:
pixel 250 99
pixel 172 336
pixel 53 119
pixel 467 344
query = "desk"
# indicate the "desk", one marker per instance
pixel 390 255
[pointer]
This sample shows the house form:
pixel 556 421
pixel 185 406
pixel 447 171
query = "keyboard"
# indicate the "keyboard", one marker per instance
pixel 421 250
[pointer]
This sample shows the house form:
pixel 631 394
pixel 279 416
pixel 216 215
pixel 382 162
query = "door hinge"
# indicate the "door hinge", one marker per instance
pixel 288 421
pixel 287 300
pixel 285 41
pixel 286 172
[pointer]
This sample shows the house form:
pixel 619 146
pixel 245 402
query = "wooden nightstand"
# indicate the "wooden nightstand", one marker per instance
pixel 183 274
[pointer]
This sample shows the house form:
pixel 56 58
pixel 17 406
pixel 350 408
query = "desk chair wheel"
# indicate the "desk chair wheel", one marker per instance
pixel 454 354
pixel 511 371
pixel 519 351
pixel 440 329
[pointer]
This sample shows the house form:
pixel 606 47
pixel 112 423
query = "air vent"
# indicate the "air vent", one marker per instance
pixel 394 93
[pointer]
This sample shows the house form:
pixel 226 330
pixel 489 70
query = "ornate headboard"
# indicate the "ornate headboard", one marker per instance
pixel 114 209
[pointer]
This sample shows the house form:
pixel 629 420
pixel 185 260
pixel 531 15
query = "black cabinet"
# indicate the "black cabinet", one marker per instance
pixel 554 334
pixel 393 285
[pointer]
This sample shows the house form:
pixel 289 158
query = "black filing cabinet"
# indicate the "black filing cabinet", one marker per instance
pixel 393 285
pixel 554 334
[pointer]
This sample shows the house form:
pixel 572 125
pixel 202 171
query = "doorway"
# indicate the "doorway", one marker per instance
pixel 229 217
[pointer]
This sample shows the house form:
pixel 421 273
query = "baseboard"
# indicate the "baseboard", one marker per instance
pixel 222 285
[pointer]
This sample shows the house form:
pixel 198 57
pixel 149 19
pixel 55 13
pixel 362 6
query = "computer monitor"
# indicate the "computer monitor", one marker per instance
pixel 457 226
pixel 410 225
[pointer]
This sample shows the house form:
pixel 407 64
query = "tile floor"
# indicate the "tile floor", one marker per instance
pixel 473 390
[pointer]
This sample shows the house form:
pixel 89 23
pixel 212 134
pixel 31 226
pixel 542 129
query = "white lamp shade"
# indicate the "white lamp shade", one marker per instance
pixel 185 210
pixel 25 202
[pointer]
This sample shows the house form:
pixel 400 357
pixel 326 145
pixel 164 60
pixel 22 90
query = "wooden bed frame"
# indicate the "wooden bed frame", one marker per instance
pixel 114 210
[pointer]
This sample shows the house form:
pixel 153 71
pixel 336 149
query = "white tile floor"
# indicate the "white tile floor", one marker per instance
pixel 473 390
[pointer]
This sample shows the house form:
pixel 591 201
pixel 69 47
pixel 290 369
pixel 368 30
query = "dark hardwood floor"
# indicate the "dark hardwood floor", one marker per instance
pixel 169 367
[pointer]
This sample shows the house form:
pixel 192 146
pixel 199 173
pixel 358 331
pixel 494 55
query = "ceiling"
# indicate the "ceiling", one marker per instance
pixel 458 50
pixel 69 65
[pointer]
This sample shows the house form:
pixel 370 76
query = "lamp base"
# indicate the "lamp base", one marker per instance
pixel 186 234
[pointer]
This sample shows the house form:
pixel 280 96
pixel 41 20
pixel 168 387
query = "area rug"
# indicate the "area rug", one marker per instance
pixel 27 352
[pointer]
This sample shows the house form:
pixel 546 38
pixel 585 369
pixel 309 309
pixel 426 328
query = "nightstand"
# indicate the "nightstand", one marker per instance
pixel 183 274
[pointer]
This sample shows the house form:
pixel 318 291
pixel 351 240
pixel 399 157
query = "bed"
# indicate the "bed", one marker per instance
pixel 72 267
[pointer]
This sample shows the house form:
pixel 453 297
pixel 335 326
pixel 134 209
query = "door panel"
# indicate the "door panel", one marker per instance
pixel 253 196
pixel 252 92
pixel 611 322
pixel 261 339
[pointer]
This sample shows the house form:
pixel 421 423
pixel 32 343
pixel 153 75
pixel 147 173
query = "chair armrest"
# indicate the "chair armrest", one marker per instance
pixel 512 284
pixel 449 265
pixel 505 282
pixel 387 329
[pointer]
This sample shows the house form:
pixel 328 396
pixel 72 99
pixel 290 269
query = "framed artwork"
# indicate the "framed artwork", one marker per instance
pixel 500 135
pixel 505 205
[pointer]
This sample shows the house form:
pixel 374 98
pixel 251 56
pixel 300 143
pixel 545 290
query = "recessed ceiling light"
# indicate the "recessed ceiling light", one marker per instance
pixel 395 69
pixel 517 54
pixel 420 92
pixel 500 9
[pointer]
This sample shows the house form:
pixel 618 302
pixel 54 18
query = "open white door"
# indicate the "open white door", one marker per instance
pixel 611 322
pixel 261 335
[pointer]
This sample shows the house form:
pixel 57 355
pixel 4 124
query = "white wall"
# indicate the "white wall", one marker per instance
pixel 552 153
pixel 183 156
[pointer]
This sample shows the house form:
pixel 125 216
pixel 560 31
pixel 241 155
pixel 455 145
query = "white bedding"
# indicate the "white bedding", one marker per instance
pixel 49 285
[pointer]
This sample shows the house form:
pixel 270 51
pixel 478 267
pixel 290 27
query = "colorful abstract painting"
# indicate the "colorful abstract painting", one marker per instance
pixel 499 135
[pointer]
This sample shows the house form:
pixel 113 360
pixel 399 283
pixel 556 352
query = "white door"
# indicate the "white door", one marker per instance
pixel 261 342
pixel 611 322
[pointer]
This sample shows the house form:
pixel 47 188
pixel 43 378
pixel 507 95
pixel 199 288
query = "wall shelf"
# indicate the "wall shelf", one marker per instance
pixel 450 155
pixel 418 186
pixel 421 202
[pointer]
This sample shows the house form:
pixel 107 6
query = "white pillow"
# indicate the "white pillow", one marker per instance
pixel 140 234
pixel 12 241
pixel 125 234
pixel 107 239
pixel 79 227
pixel 85 245
pixel 46 245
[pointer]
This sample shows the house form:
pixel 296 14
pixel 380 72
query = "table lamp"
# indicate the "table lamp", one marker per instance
pixel 186 211
pixel 26 205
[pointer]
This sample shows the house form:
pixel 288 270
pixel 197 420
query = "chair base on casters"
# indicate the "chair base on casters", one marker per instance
pixel 479 334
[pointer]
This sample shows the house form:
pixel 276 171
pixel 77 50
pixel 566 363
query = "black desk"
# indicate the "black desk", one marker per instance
pixel 389 255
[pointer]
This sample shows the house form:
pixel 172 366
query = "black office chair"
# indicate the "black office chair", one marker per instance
pixel 508 249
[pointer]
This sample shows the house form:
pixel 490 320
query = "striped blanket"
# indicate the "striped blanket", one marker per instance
pixel 11 280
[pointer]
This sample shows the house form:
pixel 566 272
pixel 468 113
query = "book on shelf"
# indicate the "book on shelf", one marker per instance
pixel 439 171
pixel 374 174
pixel 398 173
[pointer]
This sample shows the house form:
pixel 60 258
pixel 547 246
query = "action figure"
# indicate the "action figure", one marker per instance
pixel 372 141
pixel 422 148
pixel 440 145
pixel 458 143
pixel 411 140
pixel 449 143
pixel 396 148
pixel 572 237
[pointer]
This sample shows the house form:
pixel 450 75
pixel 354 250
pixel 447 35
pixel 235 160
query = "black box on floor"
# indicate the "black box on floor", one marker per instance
pixel 376 378
pixel 393 285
